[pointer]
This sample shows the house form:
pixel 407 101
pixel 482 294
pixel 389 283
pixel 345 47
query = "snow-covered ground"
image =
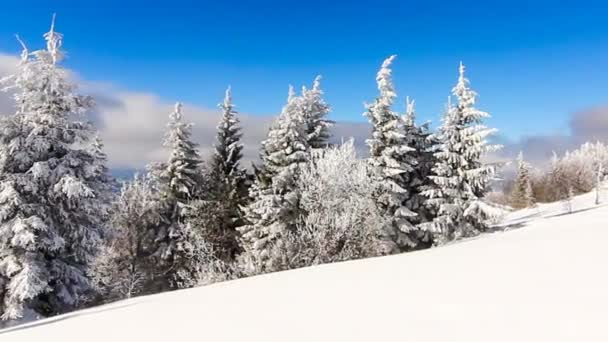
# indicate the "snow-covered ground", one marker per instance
pixel 543 279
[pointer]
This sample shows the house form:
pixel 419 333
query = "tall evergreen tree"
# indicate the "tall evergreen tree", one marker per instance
pixel 522 195
pixel 179 176
pixel 178 244
pixel 275 206
pixel 220 213
pixel 52 183
pixel 460 178
pixel 420 139
pixel 392 162
pixel 315 110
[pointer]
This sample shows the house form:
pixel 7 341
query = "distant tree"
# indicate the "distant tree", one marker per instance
pixel 53 189
pixel 460 177
pixel 522 195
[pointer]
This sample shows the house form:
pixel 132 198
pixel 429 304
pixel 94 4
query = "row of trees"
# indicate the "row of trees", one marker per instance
pixel 576 172
pixel 66 238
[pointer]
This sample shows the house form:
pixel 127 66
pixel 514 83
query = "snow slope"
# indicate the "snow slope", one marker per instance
pixel 544 279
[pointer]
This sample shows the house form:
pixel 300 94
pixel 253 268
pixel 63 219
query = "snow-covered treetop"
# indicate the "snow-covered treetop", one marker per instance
pixel 53 42
pixel 467 97
pixel 410 112
pixel 385 82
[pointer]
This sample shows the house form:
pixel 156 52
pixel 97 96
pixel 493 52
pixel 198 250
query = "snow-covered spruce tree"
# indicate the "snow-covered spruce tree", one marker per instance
pixel 522 195
pixel 460 177
pixel 52 183
pixel 392 163
pixel 178 181
pixel 315 110
pixel 275 206
pixel 127 265
pixel 219 213
pixel 420 139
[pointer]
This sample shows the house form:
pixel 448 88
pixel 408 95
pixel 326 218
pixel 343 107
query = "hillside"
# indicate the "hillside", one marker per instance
pixel 543 279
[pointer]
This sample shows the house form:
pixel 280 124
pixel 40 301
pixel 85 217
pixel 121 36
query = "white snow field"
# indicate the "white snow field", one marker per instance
pixel 544 279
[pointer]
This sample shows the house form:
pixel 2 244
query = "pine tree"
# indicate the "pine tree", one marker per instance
pixel 178 244
pixel 522 195
pixel 220 213
pixel 392 162
pixel 275 198
pixel 53 181
pixel 315 110
pixel 460 178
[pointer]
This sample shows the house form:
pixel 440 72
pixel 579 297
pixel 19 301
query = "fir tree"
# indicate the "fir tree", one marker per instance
pixel 53 181
pixel 275 205
pixel 392 161
pixel 460 178
pixel 315 110
pixel 179 176
pixel 178 244
pixel 220 213
pixel 420 139
pixel 522 196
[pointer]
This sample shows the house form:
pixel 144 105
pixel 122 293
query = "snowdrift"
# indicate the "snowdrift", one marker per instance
pixel 542 279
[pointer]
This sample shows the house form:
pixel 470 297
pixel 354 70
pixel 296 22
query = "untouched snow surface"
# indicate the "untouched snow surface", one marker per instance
pixel 544 279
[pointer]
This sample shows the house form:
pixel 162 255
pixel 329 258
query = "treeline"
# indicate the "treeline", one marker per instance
pixel 67 240
pixel 576 172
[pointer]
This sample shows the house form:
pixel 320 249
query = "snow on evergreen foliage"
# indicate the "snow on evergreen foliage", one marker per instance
pixel 315 110
pixel 275 205
pixel 53 189
pixel 522 195
pixel 179 176
pixel 392 162
pixel 178 244
pixel 460 177
pixel 219 213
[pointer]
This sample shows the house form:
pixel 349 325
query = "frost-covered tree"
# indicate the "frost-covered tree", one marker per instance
pixel 219 213
pixel 522 195
pixel 178 243
pixel 179 177
pixel 127 265
pixel 341 218
pixel 392 162
pixel 460 176
pixel 315 110
pixel 420 139
pixel 275 207
pixel 53 181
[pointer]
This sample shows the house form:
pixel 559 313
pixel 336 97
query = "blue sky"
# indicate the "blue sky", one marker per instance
pixel 533 63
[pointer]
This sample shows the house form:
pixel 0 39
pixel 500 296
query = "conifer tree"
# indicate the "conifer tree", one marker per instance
pixel 460 178
pixel 420 139
pixel 178 244
pixel 275 198
pixel 219 213
pixel 315 110
pixel 53 181
pixel 392 161
pixel 522 195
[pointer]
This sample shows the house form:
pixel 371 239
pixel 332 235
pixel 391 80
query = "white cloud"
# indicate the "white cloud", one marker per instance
pixel 132 123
